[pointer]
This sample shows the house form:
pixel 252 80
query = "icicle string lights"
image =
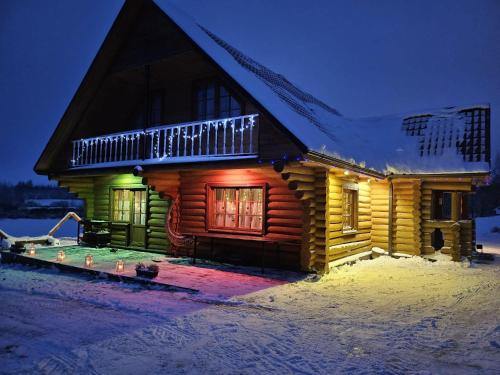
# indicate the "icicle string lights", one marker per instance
pixel 193 139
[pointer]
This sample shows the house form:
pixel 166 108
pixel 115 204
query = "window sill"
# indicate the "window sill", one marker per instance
pixel 349 232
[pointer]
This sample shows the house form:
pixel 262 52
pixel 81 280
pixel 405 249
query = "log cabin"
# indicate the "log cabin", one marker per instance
pixel 184 143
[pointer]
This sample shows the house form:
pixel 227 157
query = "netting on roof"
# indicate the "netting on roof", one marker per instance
pixel 465 132
pixel 301 102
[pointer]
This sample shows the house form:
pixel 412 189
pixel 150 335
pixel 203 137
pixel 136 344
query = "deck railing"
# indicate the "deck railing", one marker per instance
pixel 229 137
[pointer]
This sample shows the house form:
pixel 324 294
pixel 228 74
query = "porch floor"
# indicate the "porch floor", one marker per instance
pixel 210 278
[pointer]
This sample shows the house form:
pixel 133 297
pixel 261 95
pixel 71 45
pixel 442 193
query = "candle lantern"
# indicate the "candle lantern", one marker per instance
pixel 120 266
pixel 60 256
pixel 89 260
pixel 31 249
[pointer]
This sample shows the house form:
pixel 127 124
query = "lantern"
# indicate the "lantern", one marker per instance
pixel 60 256
pixel 120 266
pixel 31 249
pixel 89 260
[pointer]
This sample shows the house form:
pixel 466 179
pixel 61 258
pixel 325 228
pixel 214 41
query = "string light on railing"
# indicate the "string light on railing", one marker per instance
pixel 86 147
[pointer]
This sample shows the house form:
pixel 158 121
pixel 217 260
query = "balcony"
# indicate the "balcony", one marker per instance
pixel 208 140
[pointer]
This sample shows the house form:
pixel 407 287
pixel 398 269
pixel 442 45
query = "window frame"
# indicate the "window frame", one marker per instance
pixel 210 201
pixel 465 206
pixel 218 83
pixel 353 188
pixel 131 211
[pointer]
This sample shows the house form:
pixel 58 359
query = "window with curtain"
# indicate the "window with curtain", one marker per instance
pixel 139 207
pixel 129 206
pixel 121 205
pixel 213 100
pixel 349 208
pixel 236 208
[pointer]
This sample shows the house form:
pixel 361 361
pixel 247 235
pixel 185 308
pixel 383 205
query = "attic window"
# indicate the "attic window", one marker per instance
pixel 213 100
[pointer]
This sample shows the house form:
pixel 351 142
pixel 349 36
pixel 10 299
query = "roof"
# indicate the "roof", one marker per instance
pixel 444 140
pixel 451 140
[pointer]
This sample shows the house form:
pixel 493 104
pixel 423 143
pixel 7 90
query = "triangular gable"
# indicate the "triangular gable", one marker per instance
pixel 89 85
pixel 381 144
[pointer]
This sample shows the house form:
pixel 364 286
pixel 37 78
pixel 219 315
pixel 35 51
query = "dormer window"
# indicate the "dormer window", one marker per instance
pixel 213 100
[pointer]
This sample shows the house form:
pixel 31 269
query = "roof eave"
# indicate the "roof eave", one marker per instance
pixel 318 157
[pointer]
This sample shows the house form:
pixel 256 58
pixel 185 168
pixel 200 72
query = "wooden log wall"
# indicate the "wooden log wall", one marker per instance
pixel 467 236
pixel 340 244
pixel 308 185
pixel 380 214
pixel 163 188
pixel 156 236
pixel 284 212
pixel 467 228
pixel 96 191
pixel 83 188
pixel 406 219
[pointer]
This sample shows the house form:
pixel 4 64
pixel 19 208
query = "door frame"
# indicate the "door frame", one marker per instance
pixel 131 188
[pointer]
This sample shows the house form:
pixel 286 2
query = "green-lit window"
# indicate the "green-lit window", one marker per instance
pixel 129 206
pixel 121 205
pixel 139 207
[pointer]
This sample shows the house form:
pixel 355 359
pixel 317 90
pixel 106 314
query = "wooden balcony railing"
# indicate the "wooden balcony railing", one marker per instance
pixel 195 141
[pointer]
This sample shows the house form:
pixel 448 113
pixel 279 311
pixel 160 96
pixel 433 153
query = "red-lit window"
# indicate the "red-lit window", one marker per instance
pixel 236 209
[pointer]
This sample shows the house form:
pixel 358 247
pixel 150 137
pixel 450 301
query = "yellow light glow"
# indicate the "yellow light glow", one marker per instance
pixel 346 173
pixel 31 249
pixel 89 260
pixel 120 266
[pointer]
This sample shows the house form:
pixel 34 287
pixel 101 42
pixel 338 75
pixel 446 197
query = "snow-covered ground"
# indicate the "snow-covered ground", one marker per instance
pixel 379 316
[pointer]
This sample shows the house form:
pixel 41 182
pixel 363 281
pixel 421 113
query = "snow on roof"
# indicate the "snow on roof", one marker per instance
pixel 448 140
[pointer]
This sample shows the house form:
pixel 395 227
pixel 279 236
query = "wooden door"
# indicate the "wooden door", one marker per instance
pixel 138 218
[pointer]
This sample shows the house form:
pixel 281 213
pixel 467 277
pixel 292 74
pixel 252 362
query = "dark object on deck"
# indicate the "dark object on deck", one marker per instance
pixel 96 233
pixel 18 248
pixel 149 272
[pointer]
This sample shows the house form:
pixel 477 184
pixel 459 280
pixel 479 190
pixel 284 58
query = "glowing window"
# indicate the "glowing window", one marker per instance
pixel 349 208
pixel 238 209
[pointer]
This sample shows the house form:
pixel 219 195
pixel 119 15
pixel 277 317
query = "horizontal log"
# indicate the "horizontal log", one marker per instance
pixel 158 210
pixel 285 205
pixel 282 197
pixel 297 177
pixel 279 221
pixel 157 222
pixel 193 223
pixel 193 204
pixel 191 197
pixel 297 185
pixel 285 213
pixel 284 230
pixel 192 211
pixel 302 195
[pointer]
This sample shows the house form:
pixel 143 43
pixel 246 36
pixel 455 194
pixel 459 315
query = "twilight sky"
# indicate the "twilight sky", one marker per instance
pixel 362 57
